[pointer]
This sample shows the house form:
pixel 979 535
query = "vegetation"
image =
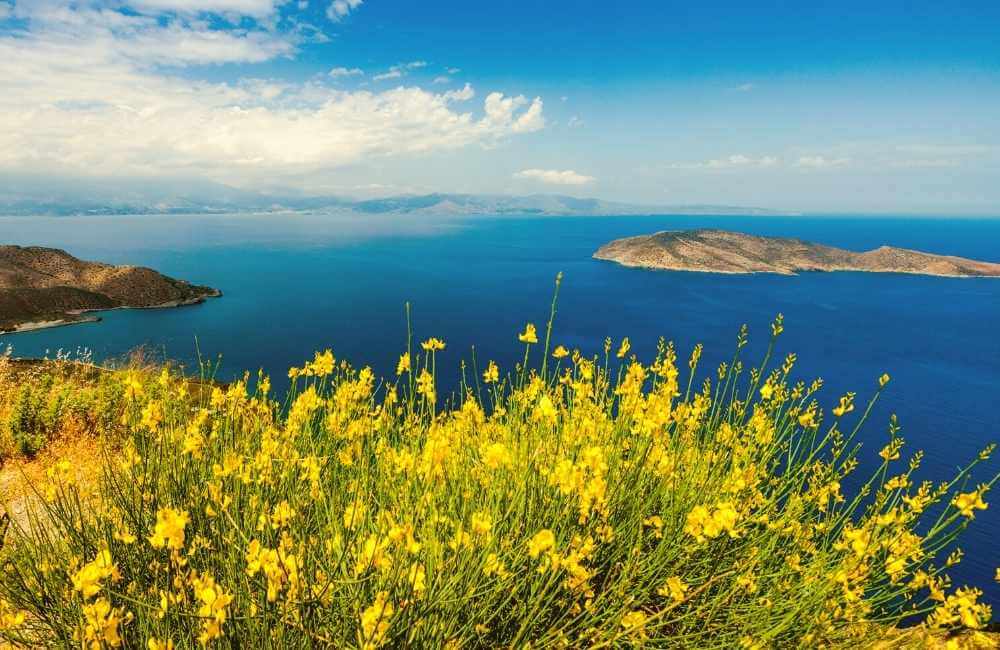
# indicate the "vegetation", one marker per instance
pixel 64 397
pixel 574 501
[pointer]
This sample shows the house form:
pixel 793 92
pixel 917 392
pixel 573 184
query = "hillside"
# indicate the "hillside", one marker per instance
pixel 50 286
pixel 720 251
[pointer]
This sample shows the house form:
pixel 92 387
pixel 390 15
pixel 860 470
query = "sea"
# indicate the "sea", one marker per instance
pixel 296 283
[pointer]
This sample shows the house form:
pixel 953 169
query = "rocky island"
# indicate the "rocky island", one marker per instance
pixel 722 251
pixel 46 287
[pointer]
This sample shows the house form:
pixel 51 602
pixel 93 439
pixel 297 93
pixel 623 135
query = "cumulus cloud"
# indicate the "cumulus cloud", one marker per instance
pixel 575 122
pixel 346 72
pixel 554 176
pixel 339 9
pixel 88 92
pixel 502 111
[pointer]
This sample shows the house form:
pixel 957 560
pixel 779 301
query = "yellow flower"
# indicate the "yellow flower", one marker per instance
pixel 492 373
pixel 213 610
pixel 354 514
pixel 625 347
pixel 375 621
pixel 322 364
pixel 404 363
pixel 155 644
pixel 425 385
pixel 433 345
pixel 152 416
pixel 656 523
pixel 883 380
pixel 481 524
pixel 101 624
pixel 169 529
pixel 846 405
pixel 560 352
pixel 133 386
pixel 634 623
pixel 496 455
pixel 675 589
pixel 890 452
pixel 416 577
pixel 529 335
pixel 10 619
pixel 970 501
pixel 89 579
pixel 494 566
pixel 541 542
pixel 546 411
pixel 807 420
pixel 282 515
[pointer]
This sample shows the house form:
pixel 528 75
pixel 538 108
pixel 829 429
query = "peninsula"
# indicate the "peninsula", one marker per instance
pixel 46 287
pixel 722 251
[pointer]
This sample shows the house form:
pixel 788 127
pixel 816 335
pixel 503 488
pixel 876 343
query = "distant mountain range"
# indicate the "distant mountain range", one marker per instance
pixel 27 196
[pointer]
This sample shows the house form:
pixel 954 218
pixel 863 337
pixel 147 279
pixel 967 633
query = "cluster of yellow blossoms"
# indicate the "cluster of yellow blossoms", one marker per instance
pixel 600 502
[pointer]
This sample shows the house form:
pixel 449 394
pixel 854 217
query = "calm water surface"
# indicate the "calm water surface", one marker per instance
pixel 297 283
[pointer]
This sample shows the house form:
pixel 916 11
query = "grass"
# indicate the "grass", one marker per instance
pixel 571 501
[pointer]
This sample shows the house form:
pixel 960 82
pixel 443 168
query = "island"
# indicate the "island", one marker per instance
pixel 46 287
pixel 722 251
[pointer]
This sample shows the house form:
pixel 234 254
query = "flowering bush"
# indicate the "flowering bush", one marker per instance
pixel 562 503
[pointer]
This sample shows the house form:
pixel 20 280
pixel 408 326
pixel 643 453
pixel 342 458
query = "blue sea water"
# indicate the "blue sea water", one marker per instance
pixel 297 283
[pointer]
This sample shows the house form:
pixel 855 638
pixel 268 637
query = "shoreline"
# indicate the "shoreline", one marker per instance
pixel 34 326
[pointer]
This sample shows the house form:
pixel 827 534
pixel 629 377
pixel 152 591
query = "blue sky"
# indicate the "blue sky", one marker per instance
pixel 835 107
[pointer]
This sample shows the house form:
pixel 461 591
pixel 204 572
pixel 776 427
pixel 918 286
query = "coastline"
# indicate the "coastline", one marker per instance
pixel 33 326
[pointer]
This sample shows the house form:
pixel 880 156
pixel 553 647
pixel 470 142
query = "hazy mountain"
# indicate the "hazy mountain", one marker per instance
pixel 32 196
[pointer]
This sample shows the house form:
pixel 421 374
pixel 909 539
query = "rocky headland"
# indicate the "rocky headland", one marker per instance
pixel 47 287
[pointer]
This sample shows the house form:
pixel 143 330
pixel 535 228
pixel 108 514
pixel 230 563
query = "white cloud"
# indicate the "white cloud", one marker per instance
pixel 735 161
pixel 555 176
pixel 821 162
pixel 339 9
pixel 346 72
pixel 745 88
pixel 501 112
pixel 454 70
pixel 85 93
pixel 574 122
pixel 463 95
pixel 77 35
pixel 400 70
pixel 239 7
pixel 442 80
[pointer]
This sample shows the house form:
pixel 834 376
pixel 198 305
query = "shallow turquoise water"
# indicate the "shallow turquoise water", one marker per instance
pixel 297 283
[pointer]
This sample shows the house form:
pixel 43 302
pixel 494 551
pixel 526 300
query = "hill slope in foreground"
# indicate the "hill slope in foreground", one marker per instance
pixel 721 251
pixel 45 286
